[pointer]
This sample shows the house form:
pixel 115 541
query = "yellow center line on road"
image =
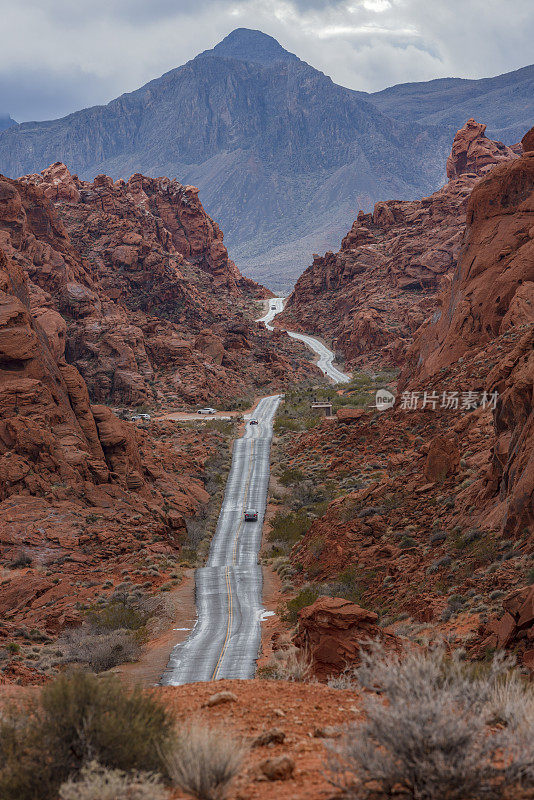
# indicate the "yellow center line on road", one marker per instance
pixel 228 627
pixel 227 575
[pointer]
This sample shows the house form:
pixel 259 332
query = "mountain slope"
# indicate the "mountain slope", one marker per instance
pixel 279 152
pixel 6 122
pixel 505 102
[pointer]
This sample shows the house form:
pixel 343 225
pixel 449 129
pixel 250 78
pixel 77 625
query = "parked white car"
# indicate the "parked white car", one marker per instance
pixel 206 411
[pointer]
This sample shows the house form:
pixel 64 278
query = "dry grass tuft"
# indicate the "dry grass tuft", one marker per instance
pixel 204 761
pixel 98 783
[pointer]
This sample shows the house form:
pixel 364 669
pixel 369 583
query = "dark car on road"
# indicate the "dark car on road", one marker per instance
pixel 253 422
pixel 251 515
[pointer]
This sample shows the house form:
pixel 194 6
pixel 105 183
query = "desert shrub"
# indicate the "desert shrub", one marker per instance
pixel 20 560
pixel 116 615
pixel 428 732
pixel 203 761
pixel 346 680
pixel 288 665
pixel 293 475
pixel 100 651
pixel 78 718
pixel 289 528
pixel 306 597
pixel 98 783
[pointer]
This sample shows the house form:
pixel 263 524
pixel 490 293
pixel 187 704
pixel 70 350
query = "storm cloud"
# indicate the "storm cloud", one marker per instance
pixel 61 55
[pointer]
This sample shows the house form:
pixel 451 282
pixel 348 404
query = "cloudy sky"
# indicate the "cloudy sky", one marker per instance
pixel 61 55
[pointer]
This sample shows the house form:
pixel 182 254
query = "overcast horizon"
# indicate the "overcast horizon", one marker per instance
pixel 62 56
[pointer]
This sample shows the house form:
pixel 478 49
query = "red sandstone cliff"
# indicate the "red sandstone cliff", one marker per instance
pixel 371 296
pixel 153 308
pixel 492 296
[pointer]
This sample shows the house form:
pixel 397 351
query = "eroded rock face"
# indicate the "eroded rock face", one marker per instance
pixel 492 294
pixel 132 281
pixel 473 152
pixel 516 626
pixel 332 632
pixel 371 296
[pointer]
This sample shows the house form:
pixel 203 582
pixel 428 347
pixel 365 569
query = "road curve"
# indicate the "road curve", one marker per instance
pixel 226 638
pixel 326 356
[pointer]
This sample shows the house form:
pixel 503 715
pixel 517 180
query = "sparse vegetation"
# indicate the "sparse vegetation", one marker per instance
pixel 100 652
pixel 204 761
pixel 289 664
pixel 306 596
pixel 98 783
pixel 77 719
pixel 437 729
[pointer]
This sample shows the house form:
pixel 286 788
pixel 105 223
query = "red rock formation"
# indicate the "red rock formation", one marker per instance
pixel 440 519
pixel 516 626
pixel 332 631
pixel 371 296
pixel 473 152
pixel 137 270
pixel 491 295
pixel 117 292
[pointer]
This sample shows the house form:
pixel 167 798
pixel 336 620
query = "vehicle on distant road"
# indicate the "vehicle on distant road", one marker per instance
pixel 206 411
pixel 251 515
pixel 145 417
pixel 253 422
pixel 273 308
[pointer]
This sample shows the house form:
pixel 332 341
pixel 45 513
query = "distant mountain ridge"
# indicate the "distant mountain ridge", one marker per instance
pixel 505 103
pixel 283 157
pixel 6 121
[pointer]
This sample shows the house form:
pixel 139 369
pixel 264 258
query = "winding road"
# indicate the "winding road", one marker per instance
pixel 226 638
pixel 326 356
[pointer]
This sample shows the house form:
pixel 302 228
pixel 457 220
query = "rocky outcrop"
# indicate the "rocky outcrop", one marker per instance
pixel 435 513
pixel 89 276
pixel 371 296
pixel 491 296
pixel 515 628
pixel 128 277
pixel 332 631
pixel 473 152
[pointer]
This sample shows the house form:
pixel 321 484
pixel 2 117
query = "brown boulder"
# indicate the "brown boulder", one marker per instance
pixel 516 627
pixel 443 458
pixel 331 631
pixel 280 768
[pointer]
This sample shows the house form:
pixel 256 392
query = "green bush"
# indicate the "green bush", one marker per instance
pixel 115 615
pixel 290 476
pixel 306 597
pixel 289 528
pixel 78 718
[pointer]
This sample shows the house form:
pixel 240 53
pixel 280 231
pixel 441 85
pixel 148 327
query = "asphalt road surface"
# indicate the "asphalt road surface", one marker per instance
pixel 226 638
pixel 326 356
